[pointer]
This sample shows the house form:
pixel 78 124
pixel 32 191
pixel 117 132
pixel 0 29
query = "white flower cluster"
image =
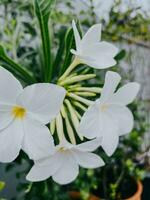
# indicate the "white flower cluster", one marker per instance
pixel 25 112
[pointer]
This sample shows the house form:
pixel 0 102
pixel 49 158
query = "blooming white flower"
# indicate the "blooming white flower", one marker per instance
pixel 23 113
pixel 93 52
pixel 109 117
pixel 64 164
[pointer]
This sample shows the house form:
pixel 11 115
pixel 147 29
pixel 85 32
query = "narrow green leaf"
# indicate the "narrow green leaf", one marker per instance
pixel 120 55
pixel 69 44
pixel 43 9
pixel 15 68
pixel 60 52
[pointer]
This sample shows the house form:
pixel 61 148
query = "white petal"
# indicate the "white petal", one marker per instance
pixel 99 62
pixel 90 124
pixel 100 50
pixel 10 87
pixel 88 160
pixel 45 168
pixel 90 145
pixel 38 142
pixel 123 117
pixel 76 35
pixel 107 49
pixel 11 141
pixel 110 143
pixel 110 135
pixel 5 116
pixel 93 35
pixel 112 80
pixel 68 171
pixel 126 94
pixel 42 100
pixel 102 55
pixel 39 173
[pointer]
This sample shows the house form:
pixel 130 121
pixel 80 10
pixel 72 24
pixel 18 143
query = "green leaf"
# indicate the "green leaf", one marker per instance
pixel 15 68
pixel 60 51
pixel 69 44
pixel 120 55
pixel 43 9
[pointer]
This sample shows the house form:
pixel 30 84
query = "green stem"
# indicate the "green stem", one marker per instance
pixel 120 178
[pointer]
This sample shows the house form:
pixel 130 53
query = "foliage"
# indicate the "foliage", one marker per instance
pixel 130 25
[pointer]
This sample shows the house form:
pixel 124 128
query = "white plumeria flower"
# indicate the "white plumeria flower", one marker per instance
pixel 64 164
pixel 93 52
pixel 109 117
pixel 23 113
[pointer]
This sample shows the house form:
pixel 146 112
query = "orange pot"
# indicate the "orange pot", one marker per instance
pixel 137 196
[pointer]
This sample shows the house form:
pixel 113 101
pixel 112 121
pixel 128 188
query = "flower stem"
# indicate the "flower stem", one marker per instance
pixel 75 62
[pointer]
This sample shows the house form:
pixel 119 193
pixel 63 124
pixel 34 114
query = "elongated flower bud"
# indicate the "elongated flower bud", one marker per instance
pixel 74 118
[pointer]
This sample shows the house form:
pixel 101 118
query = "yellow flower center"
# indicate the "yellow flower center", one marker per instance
pixel 103 107
pixel 61 149
pixel 18 112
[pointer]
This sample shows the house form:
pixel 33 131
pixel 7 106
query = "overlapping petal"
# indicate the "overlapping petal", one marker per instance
pixel 112 80
pixel 45 168
pixel 69 170
pixel 88 160
pixel 110 142
pixel 99 55
pixel 43 101
pixel 122 117
pixel 76 35
pixel 126 94
pixel 38 142
pixel 88 146
pixel 93 35
pixel 91 125
pixel 110 137
pixel 11 141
